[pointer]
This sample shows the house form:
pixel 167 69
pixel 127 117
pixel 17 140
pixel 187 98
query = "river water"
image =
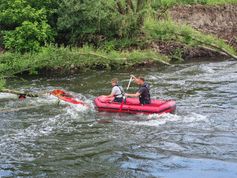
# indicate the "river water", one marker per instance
pixel 39 138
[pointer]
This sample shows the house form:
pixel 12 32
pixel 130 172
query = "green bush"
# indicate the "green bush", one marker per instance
pixel 28 37
pixel 24 28
pixel 93 21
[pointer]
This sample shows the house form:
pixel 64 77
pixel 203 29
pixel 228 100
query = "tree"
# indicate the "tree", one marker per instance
pixel 28 37
pixel 92 21
pixel 24 28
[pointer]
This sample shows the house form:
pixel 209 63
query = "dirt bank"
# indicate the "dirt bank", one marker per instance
pixel 218 20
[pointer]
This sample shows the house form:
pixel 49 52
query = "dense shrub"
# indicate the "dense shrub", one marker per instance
pixel 24 28
pixel 93 21
pixel 28 37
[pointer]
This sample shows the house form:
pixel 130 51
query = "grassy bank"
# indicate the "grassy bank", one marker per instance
pixel 65 59
pixel 169 31
pixel 170 3
pixel 121 39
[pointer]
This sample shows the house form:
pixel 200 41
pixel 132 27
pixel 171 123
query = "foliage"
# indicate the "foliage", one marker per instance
pixel 2 83
pixel 24 28
pixel 93 21
pixel 83 58
pixel 114 29
pixel 123 44
pixel 28 37
pixel 167 30
pixel 169 3
pixel 73 22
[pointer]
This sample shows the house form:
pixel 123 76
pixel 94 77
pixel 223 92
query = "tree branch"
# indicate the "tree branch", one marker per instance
pixel 29 94
pixel 211 46
pixel 120 7
pixel 140 4
pixel 130 4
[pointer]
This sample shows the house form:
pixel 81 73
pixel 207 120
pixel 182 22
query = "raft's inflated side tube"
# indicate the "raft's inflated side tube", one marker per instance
pixel 133 106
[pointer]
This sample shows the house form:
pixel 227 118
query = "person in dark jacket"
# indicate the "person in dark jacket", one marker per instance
pixel 143 92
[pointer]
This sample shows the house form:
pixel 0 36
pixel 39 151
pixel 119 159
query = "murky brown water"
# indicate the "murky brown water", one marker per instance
pixel 200 140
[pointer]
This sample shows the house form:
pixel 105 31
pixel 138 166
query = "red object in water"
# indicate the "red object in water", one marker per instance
pixel 133 106
pixel 62 95
pixel 21 97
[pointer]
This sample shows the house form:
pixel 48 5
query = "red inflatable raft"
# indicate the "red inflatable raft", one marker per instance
pixel 133 106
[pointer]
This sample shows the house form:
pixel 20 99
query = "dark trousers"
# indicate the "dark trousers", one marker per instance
pixel 119 100
pixel 144 101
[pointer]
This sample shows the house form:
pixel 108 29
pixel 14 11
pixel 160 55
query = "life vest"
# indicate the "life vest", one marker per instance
pixel 119 97
pixel 144 97
pixel 121 92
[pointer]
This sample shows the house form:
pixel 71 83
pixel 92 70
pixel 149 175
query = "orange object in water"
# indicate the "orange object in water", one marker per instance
pixel 62 95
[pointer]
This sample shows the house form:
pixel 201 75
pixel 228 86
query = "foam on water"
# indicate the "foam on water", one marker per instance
pixel 155 120
pixel 7 96
pixel 55 136
pixel 14 146
pixel 75 110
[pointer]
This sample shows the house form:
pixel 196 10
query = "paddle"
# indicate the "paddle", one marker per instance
pixel 130 80
pixel 124 98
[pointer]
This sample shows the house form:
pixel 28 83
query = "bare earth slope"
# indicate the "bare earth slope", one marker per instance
pixel 218 20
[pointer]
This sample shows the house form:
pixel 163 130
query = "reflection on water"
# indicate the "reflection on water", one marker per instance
pixel 68 141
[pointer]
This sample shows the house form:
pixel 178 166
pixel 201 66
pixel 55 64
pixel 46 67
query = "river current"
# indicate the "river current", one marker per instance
pixel 39 138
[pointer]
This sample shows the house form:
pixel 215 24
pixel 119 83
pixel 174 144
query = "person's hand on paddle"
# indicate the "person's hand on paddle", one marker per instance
pixel 132 76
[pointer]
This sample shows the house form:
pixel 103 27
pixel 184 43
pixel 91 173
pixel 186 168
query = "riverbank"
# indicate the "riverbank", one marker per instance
pixel 71 60
pixel 174 34
pixel 216 20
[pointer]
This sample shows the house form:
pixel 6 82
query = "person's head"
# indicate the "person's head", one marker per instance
pixel 139 80
pixel 114 81
pixel 22 97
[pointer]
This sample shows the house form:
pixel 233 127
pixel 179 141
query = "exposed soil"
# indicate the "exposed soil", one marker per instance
pixel 172 49
pixel 217 20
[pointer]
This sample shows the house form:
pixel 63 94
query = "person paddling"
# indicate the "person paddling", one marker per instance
pixel 143 92
pixel 117 91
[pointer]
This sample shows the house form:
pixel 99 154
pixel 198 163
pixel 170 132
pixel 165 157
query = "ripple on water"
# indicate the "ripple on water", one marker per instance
pixel 14 146
pixel 65 140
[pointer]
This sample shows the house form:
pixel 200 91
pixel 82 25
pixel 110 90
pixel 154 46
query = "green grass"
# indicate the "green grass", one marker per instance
pixel 112 53
pixel 65 58
pixel 170 3
pixel 167 30
pixel 221 1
